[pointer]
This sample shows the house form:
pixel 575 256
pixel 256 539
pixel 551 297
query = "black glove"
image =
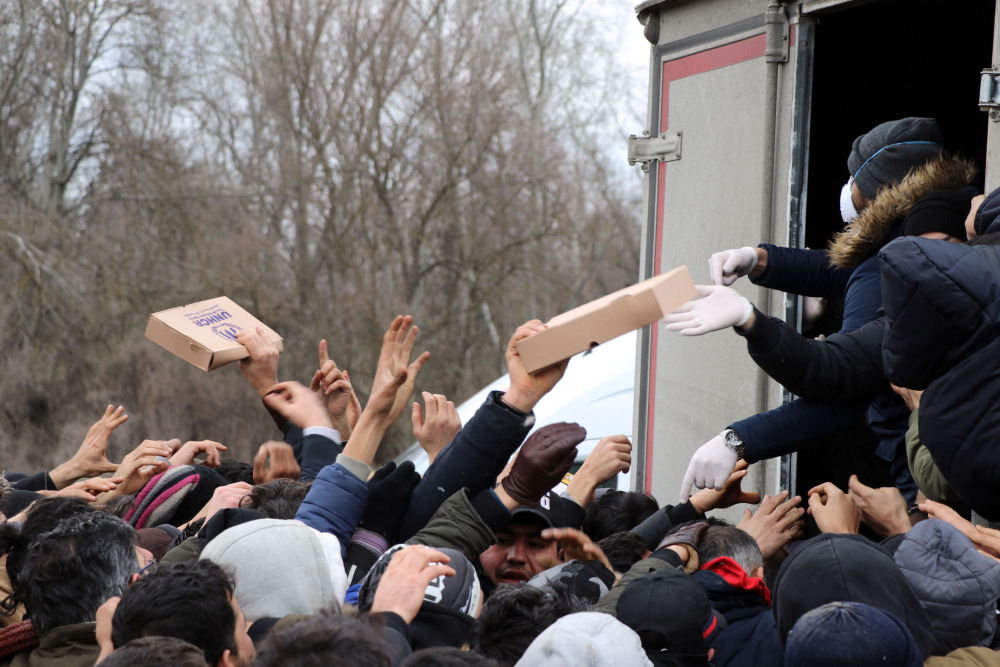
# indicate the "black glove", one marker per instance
pixel 544 459
pixel 389 492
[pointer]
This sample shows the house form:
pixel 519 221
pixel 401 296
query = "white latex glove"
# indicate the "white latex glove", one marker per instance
pixel 726 266
pixel 722 307
pixel 710 466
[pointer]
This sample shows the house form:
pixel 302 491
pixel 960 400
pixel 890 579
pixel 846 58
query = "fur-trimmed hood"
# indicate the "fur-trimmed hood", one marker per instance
pixel 867 233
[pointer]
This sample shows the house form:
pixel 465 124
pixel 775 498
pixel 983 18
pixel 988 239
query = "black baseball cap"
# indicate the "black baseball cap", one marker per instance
pixel 671 613
pixel 549 510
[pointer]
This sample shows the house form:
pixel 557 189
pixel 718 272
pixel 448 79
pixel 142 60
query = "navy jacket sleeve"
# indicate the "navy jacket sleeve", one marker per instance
pixel 312 452
pixel 794 426
pixel 802 271
pixel 844 367
pixel 334 503
pixel 472 460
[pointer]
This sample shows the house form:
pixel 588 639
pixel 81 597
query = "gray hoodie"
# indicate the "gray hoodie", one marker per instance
pixel 586 639
pixel 281 567
pixel 957 586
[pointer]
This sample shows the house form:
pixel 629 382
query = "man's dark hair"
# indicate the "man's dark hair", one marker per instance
pixel 156 652
pixel 236 471
pixel 278 499
pixel 119 506
pixel 624 550
pixel 515 614
pixel 74 568
pixel 331 641
pixel 616 511
pixel 719 541
pixel 189 601
pixel 44 515
pixel 446 656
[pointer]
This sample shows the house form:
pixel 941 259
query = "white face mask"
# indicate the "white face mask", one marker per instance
pixel 847 210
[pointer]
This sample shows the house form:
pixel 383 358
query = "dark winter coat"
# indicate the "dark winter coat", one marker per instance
pixel 942 310
pixel 846 367
pixel 751 636
pixel 848 269
pixel 472 460
pixel 956 585
pixel 846 568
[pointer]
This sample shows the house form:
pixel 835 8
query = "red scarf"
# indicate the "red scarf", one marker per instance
pixel 734 575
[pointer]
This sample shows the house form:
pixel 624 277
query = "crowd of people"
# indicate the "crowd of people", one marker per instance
pixel 496 557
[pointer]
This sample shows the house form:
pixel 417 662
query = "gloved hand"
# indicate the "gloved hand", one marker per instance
pixel 389 492
pixel 688 537
pixel 721 308
pixel 710 466
pixel 726 266
pixel 544 459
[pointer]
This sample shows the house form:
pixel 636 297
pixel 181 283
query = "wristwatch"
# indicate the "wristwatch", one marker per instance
pixel 734 442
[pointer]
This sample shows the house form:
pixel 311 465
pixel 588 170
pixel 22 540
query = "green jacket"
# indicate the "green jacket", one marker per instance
pixel 457 525
pixel 68 646
pixel 183 552
pixel 609 603
pixel 926 473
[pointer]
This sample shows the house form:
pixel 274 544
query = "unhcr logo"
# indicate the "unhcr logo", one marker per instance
pixel 227 330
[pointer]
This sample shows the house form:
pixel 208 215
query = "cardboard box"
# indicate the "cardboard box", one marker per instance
pixel 204 333
pixel 601 320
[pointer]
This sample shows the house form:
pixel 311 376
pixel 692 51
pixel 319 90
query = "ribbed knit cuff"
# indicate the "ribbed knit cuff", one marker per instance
pixel 357 468
pixel 371 541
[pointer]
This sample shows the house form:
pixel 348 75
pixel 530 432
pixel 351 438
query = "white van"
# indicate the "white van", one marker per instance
pixel 596 392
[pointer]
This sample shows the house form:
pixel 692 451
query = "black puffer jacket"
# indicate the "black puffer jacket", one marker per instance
pixel 843 367
pixel 942 334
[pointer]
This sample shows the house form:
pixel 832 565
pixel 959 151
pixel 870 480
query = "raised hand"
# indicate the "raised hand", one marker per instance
pixel 834 510
pixel 189 450
pixel 92 458
pixel 883 510
pixel 282 463
pixel 334 387
pixel 610 456
pixel 376 419
pixel 542 461
pixel 731 494
pixel 775 523
pixel 526 389
pixel 261 367
pixel 576 545
pixel 401 589
pixel 298 405
pixel 397 345
pixel 987 541
pixel 141 465
pixel 439 427
pixel 88 489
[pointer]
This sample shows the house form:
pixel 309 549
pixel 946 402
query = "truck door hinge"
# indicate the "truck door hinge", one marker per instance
pixel 664 148
pixel 989 93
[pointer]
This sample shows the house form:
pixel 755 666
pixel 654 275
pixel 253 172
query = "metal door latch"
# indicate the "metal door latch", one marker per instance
pixel 664 148
pixel 989 93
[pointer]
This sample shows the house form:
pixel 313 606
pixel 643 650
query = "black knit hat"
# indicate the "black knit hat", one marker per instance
pixel 942 211
pixel 887 153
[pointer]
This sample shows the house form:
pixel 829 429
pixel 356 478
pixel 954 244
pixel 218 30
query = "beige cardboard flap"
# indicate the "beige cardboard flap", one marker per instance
pixel 204 333
pixel 611 316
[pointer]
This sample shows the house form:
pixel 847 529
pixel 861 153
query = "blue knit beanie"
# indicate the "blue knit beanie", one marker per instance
pixel 842 634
